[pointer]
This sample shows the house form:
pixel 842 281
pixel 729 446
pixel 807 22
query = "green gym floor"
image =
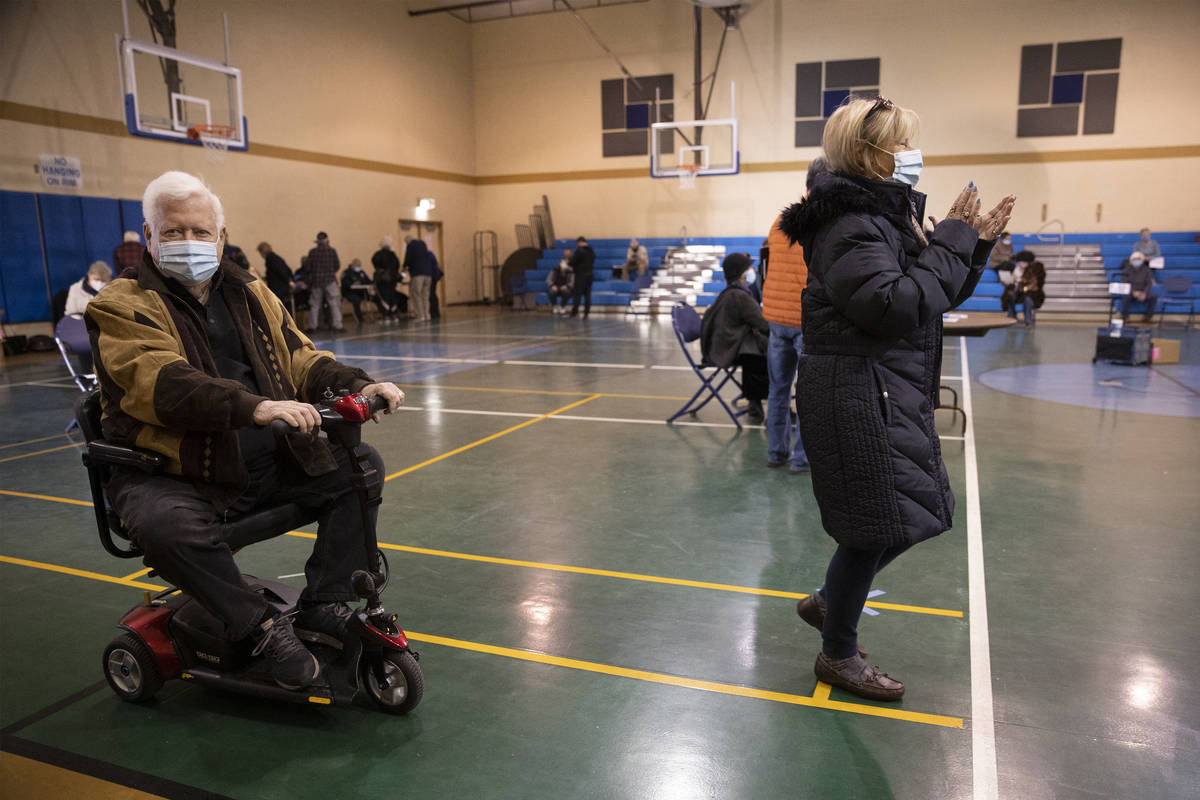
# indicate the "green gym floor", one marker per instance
pixel 605 605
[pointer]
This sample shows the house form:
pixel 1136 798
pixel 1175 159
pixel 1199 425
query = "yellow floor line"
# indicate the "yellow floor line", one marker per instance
pixel 80 573
pixel 137 574
pixel 816 701
pixel 33 441
pixel 635 576
pixel 487 439
pixel 49 497
pixel 38 452
pixel 604 573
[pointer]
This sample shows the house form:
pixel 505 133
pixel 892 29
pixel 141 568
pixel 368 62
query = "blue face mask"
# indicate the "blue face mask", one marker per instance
pixel 908 166
pixel 190 262
pixel 751 276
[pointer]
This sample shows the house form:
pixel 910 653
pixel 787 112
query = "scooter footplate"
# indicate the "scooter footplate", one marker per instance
pixel 319 695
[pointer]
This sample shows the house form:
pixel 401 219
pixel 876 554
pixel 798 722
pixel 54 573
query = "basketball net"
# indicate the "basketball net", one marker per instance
pixel 215 139
pixel 687 175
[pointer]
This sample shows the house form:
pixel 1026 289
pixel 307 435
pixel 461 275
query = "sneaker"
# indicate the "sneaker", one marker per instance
pixel 812 610
pixel 775 464
pixel 325 623
pixel 858 677
pixel 799 469
pixel 292 666
pixel 754 413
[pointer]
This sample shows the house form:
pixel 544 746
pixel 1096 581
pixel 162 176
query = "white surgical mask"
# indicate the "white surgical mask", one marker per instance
pixel 751 276
pixel 908 166
pixel 190 262
pixel 1137 262
pixel 96 284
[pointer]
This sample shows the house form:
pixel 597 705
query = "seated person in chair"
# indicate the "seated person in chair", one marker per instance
pixel 193 357
pixel 734 332
pixel 84 289
pixel 1028 291
pixel 1135 271
pixel 560 283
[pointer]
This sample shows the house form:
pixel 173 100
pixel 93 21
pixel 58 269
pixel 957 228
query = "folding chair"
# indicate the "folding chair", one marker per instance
pixel 70 334
pixel 1177 291
pixel 686 323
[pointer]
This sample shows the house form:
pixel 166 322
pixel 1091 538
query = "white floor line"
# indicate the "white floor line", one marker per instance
pixel 596 364
pixel 983 723
pixel 952 377
pixel 685 367
pixel 422 358
pixel 946 438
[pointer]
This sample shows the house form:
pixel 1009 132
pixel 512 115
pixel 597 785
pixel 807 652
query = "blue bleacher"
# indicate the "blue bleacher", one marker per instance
pixel 1181 249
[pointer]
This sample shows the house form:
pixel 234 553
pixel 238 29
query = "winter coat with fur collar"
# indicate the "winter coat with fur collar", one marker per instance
pixel 868 381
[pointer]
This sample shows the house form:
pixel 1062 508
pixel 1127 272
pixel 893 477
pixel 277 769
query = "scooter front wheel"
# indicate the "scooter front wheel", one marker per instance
pixel 405 683
pixel 131 670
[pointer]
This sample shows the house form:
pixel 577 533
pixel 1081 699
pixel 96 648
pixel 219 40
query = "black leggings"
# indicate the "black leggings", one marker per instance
pixel 847 583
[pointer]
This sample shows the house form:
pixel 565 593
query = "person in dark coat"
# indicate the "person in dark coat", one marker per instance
pixel 356 287
pixel 734 332
pixel 420 267
pixel 583 264
pixel 867 383
pixel 279 276
pixel 387 275
pixel 435 309
pixel 1135 271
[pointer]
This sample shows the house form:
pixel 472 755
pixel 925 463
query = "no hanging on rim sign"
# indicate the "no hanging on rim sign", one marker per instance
pixel 62 171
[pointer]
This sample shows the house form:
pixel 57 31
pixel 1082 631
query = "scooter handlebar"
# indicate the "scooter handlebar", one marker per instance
pixel 329 416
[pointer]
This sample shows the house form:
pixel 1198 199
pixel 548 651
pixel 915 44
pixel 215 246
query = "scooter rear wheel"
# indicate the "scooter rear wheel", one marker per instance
pixel 405 682
pixel 131 670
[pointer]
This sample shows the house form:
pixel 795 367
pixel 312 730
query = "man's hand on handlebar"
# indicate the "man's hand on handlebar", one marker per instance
pixel 388 391
pixel 301 416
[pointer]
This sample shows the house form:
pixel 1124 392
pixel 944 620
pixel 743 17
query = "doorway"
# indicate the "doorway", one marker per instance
pixel 430 232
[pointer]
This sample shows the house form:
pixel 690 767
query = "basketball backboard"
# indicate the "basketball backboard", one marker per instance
pixel 702 147
pixel 168 92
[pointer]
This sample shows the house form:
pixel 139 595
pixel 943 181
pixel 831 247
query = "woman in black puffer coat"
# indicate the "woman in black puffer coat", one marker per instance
pixel 867 384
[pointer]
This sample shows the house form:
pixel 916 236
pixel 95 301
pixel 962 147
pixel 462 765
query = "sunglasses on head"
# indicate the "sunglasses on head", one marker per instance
pixel 881 104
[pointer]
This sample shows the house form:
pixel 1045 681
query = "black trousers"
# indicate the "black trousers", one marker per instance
pixel 583 289
pixel 183 534
pixel 847 583
pixel 435 309
pixel 756 385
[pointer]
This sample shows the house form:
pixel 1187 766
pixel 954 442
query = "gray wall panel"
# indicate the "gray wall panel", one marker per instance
pixel 1083 56
pixel 845 74
pixel 1035 74
pixel 1051 121
pixel 808 89
pixel 626 143
pixel 1100 103
pixel 809 131
pixel 612 104
pixel 664 83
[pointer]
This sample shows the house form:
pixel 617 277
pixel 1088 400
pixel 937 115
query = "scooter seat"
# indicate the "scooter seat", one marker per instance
pixel 266 524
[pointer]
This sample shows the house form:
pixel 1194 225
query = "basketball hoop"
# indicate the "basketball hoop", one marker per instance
pixel 687 175
pixel 215 139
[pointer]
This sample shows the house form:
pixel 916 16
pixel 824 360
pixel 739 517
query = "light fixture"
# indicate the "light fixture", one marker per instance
pixel 426 203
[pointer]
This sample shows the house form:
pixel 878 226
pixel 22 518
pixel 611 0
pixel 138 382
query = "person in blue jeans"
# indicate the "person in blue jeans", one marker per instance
pixel 785 275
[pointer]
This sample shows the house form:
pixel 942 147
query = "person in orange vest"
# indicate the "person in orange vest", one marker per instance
pixel 786 276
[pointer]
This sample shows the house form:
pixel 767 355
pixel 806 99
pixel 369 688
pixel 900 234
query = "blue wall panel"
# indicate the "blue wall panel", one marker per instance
pixel 131 217
pixel 21 271
pixel 101 227
pixel 62 231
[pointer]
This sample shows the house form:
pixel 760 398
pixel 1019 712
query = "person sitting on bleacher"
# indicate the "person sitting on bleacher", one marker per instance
pixel 1027 291
pixel 1010 276
pixel 1147 246
pixel 636 258
pixel 1135 271
pixel 560 283
pixel 734 332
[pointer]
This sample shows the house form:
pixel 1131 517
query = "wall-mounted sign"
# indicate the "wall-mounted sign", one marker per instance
pixel 62 172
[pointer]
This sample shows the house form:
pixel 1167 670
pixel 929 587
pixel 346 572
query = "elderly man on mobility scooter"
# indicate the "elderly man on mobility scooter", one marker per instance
pixel 194 358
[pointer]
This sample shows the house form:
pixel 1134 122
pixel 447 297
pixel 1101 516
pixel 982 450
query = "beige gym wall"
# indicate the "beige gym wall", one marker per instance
pixel 323 83
pixel 956 63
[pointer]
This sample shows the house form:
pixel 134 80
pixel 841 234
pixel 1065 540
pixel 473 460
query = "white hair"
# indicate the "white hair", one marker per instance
pixel 176 186
pixel 132 236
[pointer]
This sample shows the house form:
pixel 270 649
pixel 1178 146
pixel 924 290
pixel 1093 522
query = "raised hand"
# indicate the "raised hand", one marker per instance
pixel 967 208
pixel 991 224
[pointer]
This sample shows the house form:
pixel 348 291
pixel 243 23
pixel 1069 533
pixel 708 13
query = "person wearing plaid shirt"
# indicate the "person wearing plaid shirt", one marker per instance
pixel 322 269
pixel 128 254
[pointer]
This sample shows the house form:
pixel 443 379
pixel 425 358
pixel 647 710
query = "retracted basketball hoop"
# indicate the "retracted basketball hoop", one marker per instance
pixel 215 139
pixel 687 175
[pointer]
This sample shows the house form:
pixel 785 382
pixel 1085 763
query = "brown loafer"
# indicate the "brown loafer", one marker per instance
pixel 812 610
pixel 858 677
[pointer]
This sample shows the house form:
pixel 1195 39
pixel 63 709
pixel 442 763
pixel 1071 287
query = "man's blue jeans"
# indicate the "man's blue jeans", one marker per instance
pixel 783 355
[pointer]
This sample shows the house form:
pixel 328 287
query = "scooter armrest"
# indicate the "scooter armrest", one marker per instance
pixel 118 456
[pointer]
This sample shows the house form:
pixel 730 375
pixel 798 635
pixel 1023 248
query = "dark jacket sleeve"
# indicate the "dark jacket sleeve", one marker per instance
pixel 277 268
pixel 866 283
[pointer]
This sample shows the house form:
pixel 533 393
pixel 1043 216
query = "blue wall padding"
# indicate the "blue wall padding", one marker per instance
pixel 21 271
pixel 131 217
pixel 66 247
pixel 101 227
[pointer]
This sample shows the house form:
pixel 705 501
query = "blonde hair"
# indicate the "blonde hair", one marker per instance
pixel 855 127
